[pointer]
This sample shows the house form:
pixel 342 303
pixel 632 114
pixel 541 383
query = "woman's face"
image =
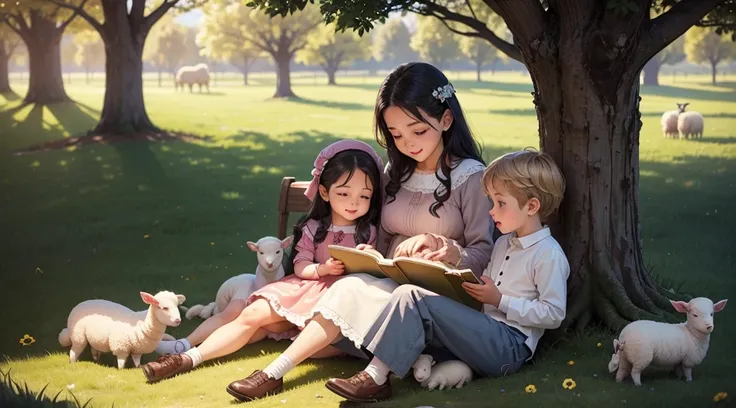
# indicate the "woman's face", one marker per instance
pixel 416 139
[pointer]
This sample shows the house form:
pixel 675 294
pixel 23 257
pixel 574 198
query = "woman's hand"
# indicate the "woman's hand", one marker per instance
pixel 363 247
pixel 418 246
pixel 449 254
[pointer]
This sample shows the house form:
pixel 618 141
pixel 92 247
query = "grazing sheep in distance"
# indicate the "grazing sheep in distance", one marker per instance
pixel 669 121
pixel 190 75
pixel 690 125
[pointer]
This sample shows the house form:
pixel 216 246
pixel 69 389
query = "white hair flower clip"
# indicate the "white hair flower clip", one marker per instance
pixel 443 92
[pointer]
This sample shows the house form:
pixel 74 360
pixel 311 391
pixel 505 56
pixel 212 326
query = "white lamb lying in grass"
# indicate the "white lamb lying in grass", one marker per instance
pixel 111 327
pixel 682 346
pixel 270 254
pixel 447 374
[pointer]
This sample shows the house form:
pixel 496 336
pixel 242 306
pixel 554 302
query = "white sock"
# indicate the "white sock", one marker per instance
pixel 279 367
pixel 195 355
pixel 378 371
pixel 173 346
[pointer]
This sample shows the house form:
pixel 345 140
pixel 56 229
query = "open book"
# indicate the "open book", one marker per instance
pixel 438 277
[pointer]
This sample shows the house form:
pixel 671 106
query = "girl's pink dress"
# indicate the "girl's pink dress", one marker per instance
pixel 293 297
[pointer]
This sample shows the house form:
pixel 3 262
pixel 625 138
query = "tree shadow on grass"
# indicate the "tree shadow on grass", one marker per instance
pixel 685 94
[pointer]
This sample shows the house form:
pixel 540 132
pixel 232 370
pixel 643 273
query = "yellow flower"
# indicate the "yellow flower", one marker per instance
pixel 599 345
pixel 568 384
pixel 571 363
pixel 146 236
pixel 212 243
pixel 27 340
pixel 720 397
pixel 531 389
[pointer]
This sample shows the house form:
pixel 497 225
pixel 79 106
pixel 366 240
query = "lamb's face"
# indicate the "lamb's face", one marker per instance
pixel 700 313
pixel 165 307
pixel 270 252
pixel 423 367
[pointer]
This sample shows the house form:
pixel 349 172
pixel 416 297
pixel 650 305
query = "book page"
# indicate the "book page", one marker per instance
pixel 436 277
pixel 357 261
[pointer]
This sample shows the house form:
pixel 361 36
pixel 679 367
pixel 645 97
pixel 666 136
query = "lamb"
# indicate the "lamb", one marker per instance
pixel 452 373
pixel 690 125
pixel 111 327
pixel 270 255
pixel 669 120
pixel 682 346
pixel 423 367
pixel 190 75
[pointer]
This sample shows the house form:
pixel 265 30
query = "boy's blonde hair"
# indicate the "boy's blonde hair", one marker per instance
pixel 528 174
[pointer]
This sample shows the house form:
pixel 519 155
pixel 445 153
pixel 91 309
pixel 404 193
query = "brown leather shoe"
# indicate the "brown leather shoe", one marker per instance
pixel 167 366
pixel 360 388
pixel 256 385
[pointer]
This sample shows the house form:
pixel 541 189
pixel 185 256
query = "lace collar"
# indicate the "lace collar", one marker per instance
pixel 427 183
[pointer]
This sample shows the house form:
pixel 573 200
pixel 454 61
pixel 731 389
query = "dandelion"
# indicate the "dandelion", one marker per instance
pixel 146 236
pixel 571 363
pixel 530 389
pixel 26 340
pixel 720 397
pixel 212 244
pixel 568 384
pixel 599 345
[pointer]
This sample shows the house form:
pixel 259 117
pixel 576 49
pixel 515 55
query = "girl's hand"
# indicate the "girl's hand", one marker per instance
pixel 363 247
pixel 333 267
pixel 417 244
pixel 486 293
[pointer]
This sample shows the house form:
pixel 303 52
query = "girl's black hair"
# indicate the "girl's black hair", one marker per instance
pixel 410 87
pixel 343 162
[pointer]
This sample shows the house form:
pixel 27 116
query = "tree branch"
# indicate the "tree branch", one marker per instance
pixel 74 15
pixel 155 15
pixel 664 29
pixel 482 31
pixel 78 9
pixel 526 19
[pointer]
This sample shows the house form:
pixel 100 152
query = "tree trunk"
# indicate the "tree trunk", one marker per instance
pixel 589 121
pixel 478 66
pixel 123 111
pixel 159 78
pixel 651 71
pixel 713 72
pixel 331 76
pixel 46 83
pixel 4 71
pixel 283 75
pixel 245 77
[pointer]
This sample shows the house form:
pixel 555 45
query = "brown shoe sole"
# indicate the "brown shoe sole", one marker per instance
pixel 245 398
pixel 352 398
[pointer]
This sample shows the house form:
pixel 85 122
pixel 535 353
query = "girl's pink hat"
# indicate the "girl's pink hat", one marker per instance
pixel 329 152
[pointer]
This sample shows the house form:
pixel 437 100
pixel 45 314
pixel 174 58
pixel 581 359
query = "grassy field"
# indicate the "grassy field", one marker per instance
pixel 109 221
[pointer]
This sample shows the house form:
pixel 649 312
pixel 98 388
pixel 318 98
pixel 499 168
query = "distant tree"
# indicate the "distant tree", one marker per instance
pixel 392 43
pixel 704 45
pixel 434 42
pixel 333 50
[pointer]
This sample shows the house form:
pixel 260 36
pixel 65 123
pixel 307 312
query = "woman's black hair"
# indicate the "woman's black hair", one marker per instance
pixel 410 87
pixel 343 162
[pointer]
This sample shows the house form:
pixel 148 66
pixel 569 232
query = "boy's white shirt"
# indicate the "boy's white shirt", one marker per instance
pixel 532 271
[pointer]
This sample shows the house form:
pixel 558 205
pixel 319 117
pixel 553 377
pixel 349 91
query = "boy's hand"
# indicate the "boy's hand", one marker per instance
pixel 487 293
pixel 363 247
pixel 333 267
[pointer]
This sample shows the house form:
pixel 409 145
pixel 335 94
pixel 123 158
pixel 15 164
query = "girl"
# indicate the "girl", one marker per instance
pixel 434 208
pixel 346 198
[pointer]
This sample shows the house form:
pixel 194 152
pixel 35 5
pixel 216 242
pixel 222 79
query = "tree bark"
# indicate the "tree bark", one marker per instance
pixel 331 76
pixel 589 122
pixel 46 83
pixel 283 74
pixel 4 71
pixel 651 72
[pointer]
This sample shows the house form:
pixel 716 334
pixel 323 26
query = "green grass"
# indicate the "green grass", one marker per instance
pixel 73 225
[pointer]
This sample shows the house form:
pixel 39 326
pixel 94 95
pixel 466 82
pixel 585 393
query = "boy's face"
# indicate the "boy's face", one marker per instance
pixel 349 199
pixel 508 215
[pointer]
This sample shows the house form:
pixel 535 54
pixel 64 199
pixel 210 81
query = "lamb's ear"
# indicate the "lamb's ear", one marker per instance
pixel 433 362
pixel 680 306
pixel 253 247
pixel 286 242
pixel 181 299
pixel 616 345
pixel 149 299
pixel 720 305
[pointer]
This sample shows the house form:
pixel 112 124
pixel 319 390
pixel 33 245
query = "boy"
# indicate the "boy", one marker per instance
pixel 524 290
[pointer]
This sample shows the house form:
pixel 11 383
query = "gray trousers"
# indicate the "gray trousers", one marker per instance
pixel 415 318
